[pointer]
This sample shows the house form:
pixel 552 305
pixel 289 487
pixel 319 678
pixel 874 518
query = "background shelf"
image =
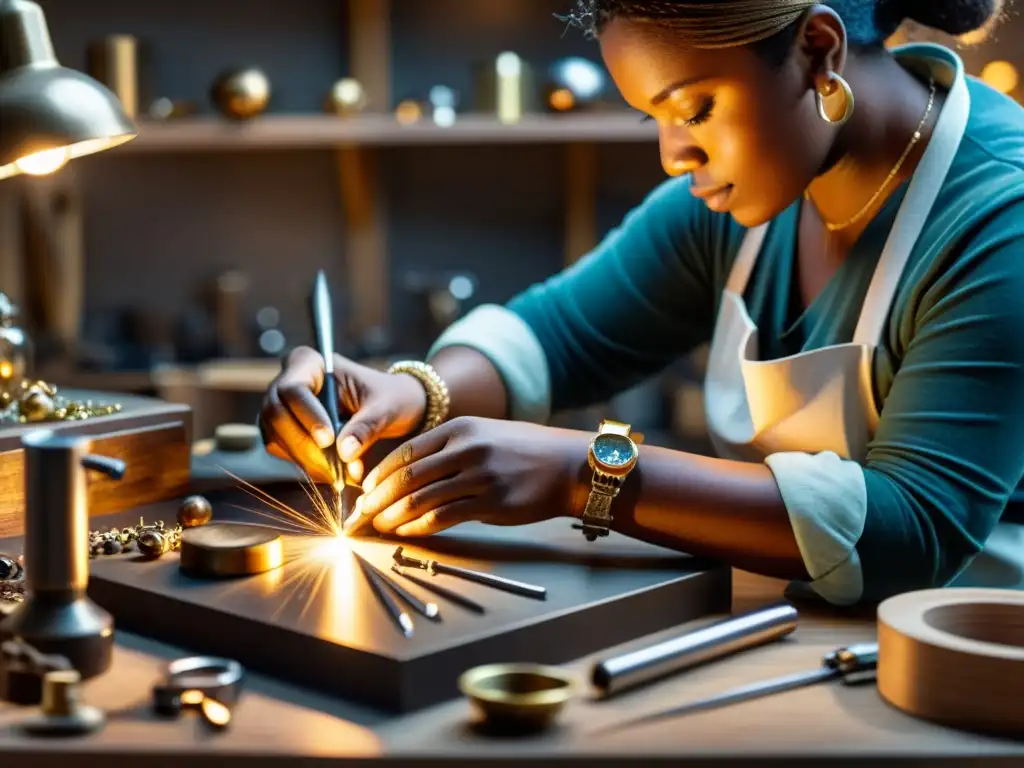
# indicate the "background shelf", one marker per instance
pixel 325 131
pixel 156 223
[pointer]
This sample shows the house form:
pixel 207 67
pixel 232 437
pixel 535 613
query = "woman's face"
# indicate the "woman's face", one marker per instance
pixel 748 133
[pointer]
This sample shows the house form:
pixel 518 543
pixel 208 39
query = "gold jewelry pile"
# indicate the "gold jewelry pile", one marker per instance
pixel 39 401
pixel 152 541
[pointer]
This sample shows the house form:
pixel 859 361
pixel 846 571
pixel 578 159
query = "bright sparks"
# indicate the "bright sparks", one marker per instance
pixel 324 519
pixel 319 567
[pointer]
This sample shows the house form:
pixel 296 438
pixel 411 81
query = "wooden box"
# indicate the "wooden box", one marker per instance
pixel 151 436
pixel 315 621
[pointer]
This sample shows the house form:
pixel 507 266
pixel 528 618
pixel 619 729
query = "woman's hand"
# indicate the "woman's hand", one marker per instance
pixel 494 471
pixel 295 426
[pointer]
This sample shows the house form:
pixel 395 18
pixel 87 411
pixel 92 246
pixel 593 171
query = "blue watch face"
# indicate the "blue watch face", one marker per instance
pixel 613 450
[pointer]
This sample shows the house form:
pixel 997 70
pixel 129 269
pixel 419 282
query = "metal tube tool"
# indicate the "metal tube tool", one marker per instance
pixel 380 587
pixel 714 641
pixel 497 582
pixel 57 616
pixel 437 589
pixel 851 664
pixel 423 608
pixel 323 325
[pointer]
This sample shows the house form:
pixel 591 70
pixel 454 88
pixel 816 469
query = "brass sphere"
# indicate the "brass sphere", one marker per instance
pixel 153 544
pixel 561 100
pixel 241 94
pixel 194 511
pixel 347 97
pixel 36 404
pixel 409 112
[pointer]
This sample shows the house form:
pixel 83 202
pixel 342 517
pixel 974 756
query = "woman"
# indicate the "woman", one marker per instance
pixel 844 224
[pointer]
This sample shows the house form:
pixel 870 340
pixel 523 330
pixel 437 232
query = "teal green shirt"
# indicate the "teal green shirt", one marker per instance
pixel 948 374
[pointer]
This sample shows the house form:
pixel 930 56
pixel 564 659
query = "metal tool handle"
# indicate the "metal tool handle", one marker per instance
pixel 398 615
pixel 420 606
pixel 691 649
pixel 323 319
pixel 323 326
pixel 111 467
pixel 57 509
pixel 329 399
pixel 498 582
pixel 853 659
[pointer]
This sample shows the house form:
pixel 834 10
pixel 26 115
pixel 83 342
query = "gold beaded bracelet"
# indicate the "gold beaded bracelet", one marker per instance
pixel 438 399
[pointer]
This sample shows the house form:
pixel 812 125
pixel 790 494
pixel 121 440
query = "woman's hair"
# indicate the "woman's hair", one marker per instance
pixel 868 22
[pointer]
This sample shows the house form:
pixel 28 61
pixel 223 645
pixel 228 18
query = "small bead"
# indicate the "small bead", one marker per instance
pixel 8 568
pixel 194 511
pixel 152 544
pixel 112 547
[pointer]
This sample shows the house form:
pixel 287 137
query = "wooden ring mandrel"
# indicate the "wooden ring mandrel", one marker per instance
pixel 219 550
pixel 955 656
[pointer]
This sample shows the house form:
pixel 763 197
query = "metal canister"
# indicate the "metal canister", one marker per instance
pixel 115 62
pixel 505 87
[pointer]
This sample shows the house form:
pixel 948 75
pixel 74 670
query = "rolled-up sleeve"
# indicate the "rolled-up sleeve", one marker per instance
pixel 826 498
pixel 515 352
pixel 949 449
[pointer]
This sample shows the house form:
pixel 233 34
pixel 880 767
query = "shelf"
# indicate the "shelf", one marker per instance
pixel 325 131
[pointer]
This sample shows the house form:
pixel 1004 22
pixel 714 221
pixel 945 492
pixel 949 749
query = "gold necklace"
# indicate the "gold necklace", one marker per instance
pixel 892 174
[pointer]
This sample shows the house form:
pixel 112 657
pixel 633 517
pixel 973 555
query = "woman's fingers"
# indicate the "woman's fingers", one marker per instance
pixel 280 427
pixel 307 410
pixel 404 455
pixel 277 452
pixel 442 518
pixel 408 481
pixel 297 388
pixel 425 502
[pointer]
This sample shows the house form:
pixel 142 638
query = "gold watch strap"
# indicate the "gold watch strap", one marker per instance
pixel 597 514
pixel 596 519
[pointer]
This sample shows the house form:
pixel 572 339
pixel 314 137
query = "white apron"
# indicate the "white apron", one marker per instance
pixel 822 399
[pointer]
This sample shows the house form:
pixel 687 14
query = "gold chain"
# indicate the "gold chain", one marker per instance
pixel 892 174
pixel 151 540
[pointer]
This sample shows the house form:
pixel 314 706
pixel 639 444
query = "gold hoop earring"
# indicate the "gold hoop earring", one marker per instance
pixel 834 83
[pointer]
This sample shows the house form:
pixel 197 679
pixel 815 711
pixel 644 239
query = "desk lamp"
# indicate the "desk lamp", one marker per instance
pixel 49 114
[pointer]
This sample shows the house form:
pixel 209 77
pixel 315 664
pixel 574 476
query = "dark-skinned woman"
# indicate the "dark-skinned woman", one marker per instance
pixel 843 224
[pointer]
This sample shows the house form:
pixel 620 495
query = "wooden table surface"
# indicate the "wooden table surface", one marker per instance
pixel 276 724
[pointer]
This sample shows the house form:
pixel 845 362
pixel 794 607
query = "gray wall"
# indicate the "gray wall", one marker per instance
pixel 159 225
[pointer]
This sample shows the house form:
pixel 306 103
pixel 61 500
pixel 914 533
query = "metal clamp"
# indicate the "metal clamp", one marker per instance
pixel 215 678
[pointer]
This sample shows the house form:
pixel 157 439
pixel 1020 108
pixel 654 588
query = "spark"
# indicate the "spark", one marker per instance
pixel 318 555
pixel 323 521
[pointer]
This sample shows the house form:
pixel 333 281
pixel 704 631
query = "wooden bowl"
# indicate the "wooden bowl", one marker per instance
pixel 517 696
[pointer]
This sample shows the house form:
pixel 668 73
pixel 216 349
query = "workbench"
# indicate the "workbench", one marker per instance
pixel 278 725
pixel 284 726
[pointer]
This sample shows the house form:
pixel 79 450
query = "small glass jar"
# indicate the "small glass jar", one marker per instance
pixel 15 351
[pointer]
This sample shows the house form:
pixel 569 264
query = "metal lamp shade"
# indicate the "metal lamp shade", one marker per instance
pixel 49 114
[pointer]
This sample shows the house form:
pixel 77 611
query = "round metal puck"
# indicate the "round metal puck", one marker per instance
pixel 230 549
pixel 236 437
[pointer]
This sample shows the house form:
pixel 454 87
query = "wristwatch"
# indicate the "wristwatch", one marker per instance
pixel 612 456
